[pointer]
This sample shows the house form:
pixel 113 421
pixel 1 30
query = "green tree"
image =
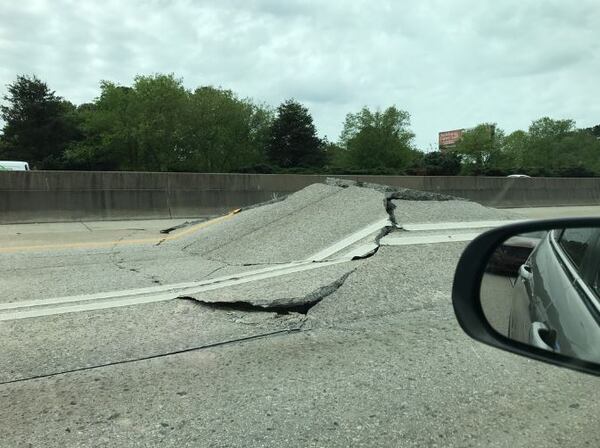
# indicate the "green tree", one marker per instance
pixel 580 155
pixel 516 145
pixel 594 130
pixel 134 128
pixel 159 101
pixel 158 125
pixel 108 126
pixel 552 146
pixel 480 148
pixel 293 139
pixel 38 124
pixel 334 156
pixel 223 132
pixel 441 163
pixel 547 128
pixel 376 140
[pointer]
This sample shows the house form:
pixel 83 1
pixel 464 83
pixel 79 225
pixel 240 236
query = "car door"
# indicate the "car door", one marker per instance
pixel 551 304
pixel 570 313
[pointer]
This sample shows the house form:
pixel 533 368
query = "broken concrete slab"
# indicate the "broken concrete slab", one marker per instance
pixel 296 292
pixel 294 229
pixel 252 219
pixel 395 280
pixel 444 211
pixel 417 207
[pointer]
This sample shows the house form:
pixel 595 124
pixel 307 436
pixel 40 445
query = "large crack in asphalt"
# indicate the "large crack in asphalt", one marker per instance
pixel 281 305
pixel 393 193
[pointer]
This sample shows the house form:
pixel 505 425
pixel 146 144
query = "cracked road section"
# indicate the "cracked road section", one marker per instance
pixel 271 348
pixel 341 220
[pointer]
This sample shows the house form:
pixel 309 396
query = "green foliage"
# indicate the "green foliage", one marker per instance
pixel 335 156
pixel 594 130
pixel 557 145
pixel 373 140
pixel 133 128
pixel 515 149
pixel 224 133
pixel 293 139
pixel 549 148
pixel 438 163
pixel 37 124
pixel 480 148
pixel 158 125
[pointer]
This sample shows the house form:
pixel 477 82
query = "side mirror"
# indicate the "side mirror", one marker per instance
pixel 533 288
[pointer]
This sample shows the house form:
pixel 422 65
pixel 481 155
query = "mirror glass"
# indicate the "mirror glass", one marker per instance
pixel 543 289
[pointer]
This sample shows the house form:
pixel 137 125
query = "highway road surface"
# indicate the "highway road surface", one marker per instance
pixel 320 320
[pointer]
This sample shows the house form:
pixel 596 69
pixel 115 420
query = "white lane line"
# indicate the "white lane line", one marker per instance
pixel 87 297
pixel 90 302
pixel 456 225
pixel 148 290
pixel 73 304
pixel 427 239
pixel 35 312
pixel 349 240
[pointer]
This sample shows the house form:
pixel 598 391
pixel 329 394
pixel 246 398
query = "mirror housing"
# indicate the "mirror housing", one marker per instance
pixel 468 277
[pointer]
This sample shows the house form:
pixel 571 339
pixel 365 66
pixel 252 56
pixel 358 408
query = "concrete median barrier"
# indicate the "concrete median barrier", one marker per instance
pixel 50 196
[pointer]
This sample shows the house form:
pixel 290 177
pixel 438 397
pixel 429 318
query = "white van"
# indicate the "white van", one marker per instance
pixel 8 165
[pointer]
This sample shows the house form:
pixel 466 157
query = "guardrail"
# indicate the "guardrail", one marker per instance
pixel 50 196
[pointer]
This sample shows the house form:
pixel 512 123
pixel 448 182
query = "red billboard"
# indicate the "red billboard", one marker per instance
pixel 449 138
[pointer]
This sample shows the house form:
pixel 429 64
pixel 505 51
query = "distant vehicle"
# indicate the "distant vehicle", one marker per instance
pixel 8 165
pixel 519 175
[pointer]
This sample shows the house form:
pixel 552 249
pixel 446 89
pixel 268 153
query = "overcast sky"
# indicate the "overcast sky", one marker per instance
pixel 451 64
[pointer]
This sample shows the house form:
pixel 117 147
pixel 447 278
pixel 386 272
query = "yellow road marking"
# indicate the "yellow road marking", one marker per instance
pixel 93 245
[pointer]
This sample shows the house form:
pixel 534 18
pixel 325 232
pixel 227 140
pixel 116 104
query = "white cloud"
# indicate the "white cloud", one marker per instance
pixel 450 64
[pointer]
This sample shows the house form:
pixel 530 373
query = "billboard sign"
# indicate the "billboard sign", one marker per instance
pixel 449 138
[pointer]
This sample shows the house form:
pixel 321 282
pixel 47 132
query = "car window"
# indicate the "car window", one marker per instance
pixel 591 266
pixel 575 242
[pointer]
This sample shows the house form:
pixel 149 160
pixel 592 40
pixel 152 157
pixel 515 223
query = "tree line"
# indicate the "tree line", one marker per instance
pixel 157 124
pixel 547 148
